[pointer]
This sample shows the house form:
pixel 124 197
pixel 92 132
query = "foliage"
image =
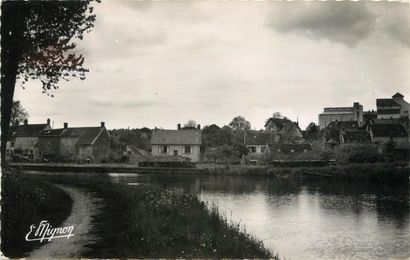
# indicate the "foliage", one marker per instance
pixel 358 153
pixel 277 115
pixel 38 42
pixel 240 123
pixel 241 149
pixel 18 113
pixel 226 153
pixel 120 138
pixel 389 146
pixel 18 150
pixel 190 124
pixel 312 132
pixel 144 222
pixel 46 38
pixel 26 201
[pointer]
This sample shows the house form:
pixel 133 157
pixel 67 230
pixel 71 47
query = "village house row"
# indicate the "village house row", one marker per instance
pixel 340 125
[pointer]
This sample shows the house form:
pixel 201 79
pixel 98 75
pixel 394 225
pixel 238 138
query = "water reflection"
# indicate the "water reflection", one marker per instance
pixel 306 219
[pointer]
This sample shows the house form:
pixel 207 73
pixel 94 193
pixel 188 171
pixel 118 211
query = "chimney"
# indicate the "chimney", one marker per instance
pixel 198 127
pixel 355 104
pixel 17 122
pixel 179 126
pixel 65 125
pixel 102 124
pixel 48 121
pixel 25 122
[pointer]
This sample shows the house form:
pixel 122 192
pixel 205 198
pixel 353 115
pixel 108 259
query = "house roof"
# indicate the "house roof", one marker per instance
pixel 356 136
pixel 138 151
pixel 182 137
pixel 51 132
pixel 347 125
pixel 88 135
pixel 386 102
pixel 278 121
pixel 388 130
pixel 258 138
pixel 332 130
pixel 286 128
pixel 398 95
pixel 286 148
pixel 29 130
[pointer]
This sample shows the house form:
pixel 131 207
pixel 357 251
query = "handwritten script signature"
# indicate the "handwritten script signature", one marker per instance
pixel 44 231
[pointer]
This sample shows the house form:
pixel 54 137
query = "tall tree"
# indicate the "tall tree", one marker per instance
pixel 37 42
pixel 240 123
pixel 312 132
pixel 190 124
pixel 277 115
pixel 18 113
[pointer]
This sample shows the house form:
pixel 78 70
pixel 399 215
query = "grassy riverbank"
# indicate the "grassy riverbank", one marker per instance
pixel 354 171
pixel 144 222
pixel 26 201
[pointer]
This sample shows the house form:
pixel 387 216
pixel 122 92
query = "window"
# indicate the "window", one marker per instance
pixel 163 149
pixel 252 149
pixel 187 149
pixel 263 149
pixel 12 144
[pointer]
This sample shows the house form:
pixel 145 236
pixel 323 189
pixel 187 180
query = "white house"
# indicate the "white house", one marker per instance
pixel 181 142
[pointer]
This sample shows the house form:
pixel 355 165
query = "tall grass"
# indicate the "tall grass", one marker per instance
pixel 144 222
pixel 27 201
pixel 354 171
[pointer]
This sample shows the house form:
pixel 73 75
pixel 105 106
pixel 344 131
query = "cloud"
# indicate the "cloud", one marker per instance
pixel 342 22
pixel 395 22
pixel 105 102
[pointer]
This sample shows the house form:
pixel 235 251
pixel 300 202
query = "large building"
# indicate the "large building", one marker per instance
pixel 90 144
pixel 332 114
pixel 177 143
pixel 392 108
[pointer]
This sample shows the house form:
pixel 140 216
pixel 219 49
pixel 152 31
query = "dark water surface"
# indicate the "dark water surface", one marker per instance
pixel 305 219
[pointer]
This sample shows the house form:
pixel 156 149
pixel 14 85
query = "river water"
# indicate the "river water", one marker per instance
pixel 305 219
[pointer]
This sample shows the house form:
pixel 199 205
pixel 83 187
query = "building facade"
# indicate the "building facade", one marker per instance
pixel 177 143
pixel 332 114
pixel 392 108
pixel 23 140
pixel 284 130
pixel 90 144
pixel 258 142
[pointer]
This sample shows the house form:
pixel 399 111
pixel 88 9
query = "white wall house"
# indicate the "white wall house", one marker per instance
pixel 182 142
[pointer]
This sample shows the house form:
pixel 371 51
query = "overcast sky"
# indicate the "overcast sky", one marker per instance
pixel 161 63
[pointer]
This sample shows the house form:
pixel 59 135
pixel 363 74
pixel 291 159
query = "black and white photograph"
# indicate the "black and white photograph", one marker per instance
pixel 195 129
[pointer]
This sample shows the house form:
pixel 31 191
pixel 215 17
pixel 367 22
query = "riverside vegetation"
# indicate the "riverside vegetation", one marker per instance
pixel 145 222
pixel 26 201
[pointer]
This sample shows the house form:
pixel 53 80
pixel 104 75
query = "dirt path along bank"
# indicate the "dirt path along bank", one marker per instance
pixel 85 205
